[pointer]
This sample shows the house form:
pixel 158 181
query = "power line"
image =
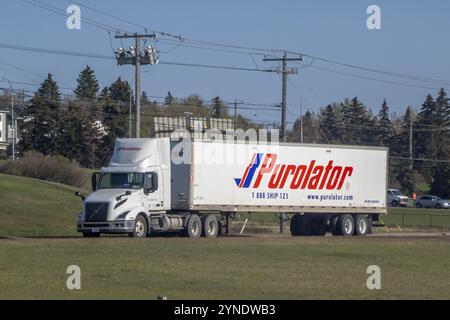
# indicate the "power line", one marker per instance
pixel 208 45
pixel 107 57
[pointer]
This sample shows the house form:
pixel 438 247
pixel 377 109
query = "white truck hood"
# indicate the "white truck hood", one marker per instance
pixel 109 195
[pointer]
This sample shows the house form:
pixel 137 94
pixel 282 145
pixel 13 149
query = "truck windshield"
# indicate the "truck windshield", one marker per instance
pixel 121 181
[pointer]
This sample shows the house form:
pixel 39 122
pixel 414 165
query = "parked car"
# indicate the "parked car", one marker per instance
pixel 432 202
pixel 395 198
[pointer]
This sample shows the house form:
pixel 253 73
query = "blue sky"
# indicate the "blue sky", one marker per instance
pixel 413 40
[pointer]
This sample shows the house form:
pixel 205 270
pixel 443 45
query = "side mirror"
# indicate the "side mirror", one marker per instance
pixel 94 180
pixel 78 194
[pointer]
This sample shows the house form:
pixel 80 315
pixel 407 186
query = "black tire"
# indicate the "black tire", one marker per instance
pixel 91 235
pixel 210 226
pixel 361 225
pixel 438 206
pixel 318 227
pixel 140 229
pixel 394 203
pixel 301 225
pixel 418 205
pixel 194 226
pixel 334 226
pixel 346 225
pixel 294 225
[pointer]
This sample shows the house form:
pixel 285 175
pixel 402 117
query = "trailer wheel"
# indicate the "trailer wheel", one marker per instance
pixel 335 226
pixel 361 225
pixel 346 225
pixel 301 225
pixel 194 226
pixel 140 229
pixel 210 226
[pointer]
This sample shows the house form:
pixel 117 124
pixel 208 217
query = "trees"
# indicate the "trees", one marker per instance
pixel 358 123
pixel 403 169
pixel 169 99
pixel 329 128
pixel 113 101
pixel 384 126
pixel 88 86
pixel 40 130
pixel 440 146
pixel 310 129
pixel 218 108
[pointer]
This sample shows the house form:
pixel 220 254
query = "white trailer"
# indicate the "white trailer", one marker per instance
pixel 156 186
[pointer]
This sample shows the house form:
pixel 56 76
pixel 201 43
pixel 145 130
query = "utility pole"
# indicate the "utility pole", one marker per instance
pixel 411 141
pixel 235 112
pixel 133 56
pixel 284 73
pixel 301 120
pixel 129 119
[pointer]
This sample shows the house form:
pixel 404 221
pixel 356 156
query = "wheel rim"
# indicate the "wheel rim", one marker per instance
pixel 140 228
pixel 362 226
pixel 211 228
pixel 194 228
pixel 348 226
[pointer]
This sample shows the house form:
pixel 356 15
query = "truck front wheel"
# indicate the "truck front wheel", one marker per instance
pixel 210 226
pixel 194 226
pixel 140 229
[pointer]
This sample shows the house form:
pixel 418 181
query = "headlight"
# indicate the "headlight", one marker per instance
pixel 122 216
pixel 80 216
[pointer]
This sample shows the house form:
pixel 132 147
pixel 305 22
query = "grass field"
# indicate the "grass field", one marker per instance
pixel 33 208
pixel 225 268
pixel 264 266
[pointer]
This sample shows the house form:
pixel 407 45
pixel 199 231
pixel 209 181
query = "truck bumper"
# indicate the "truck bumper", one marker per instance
pixel 106 227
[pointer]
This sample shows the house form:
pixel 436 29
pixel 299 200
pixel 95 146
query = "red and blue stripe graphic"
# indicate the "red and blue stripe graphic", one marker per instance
pixel 249 173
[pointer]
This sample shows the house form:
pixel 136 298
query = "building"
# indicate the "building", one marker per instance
pixel 3 132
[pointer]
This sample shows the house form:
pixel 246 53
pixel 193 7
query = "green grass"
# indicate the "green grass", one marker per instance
pixel 34 208
pixel 31 208
pixel 225 268
pixel 261 267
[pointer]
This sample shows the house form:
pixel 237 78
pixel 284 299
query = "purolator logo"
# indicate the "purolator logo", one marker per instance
pixel 310 176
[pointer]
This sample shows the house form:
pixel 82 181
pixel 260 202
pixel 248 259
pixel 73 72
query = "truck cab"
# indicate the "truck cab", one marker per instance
pixel 129 191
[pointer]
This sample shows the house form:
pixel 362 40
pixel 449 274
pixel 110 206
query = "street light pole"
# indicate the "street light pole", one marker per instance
pixel 13 123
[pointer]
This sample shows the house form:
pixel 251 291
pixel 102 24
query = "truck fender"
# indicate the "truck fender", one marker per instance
pixel 135 212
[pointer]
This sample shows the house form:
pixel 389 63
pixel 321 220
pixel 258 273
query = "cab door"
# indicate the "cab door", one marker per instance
pixel 152 197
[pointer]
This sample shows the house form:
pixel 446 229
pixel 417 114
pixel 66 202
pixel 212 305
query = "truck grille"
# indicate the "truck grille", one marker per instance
pixel 97 211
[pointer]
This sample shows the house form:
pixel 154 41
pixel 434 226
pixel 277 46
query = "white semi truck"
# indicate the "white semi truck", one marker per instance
pixel 195 188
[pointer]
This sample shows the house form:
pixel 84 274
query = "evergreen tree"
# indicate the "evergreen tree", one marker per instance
pixel 218 108
pixel 169 99
pixel 144 98
pixel 385 126
pixel 310 129
pixel 88 86
pixel 404 171
pixel 40 130
pixel 114 118
pixel 423 136
pixel 441 147
pixel 330 131
pixel 358 123
pixel 71 135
